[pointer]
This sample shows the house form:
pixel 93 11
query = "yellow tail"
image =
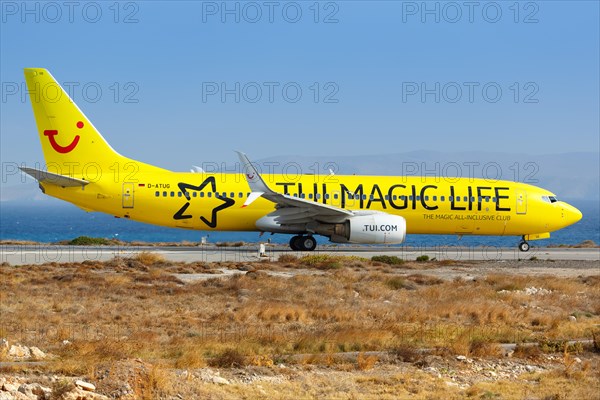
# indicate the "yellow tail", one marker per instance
pixel 71 144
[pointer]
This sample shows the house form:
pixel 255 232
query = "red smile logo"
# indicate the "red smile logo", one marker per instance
pixel 57 147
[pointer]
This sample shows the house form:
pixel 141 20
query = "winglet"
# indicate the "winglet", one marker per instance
pixel 254 179
pixel 253 196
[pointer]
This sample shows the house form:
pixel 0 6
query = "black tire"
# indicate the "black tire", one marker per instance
pixel 308 243
pixel 524 246
pixel 295 243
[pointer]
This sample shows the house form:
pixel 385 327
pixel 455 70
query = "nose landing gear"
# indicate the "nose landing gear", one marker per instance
pixel 303 243
pixel 523 245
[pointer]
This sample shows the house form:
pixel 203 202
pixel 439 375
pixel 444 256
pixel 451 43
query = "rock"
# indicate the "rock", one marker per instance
pixel 572 318
pixel 10 387
pixel 461 358
pixel 4 344
pixel 66 342
pixel 208 375
pixel 19 352
pixel 80 394
pixel 356 294
pixel 529 368
pixel 219 380
pixel 35 391
pixel 85 385
pixel 37 353
pixel 577 359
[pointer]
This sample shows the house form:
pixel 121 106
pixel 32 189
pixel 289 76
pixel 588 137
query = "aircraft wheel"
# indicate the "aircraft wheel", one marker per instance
pixel 295 243
pixel 308 243
pixel 524 246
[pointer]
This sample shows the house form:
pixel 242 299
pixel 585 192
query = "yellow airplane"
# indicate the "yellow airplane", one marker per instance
pixel 84 170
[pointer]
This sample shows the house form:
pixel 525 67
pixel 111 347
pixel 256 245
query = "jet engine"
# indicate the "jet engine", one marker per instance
pixel 379 228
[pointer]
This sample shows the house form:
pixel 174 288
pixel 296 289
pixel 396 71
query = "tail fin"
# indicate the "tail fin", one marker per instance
pixel 69 140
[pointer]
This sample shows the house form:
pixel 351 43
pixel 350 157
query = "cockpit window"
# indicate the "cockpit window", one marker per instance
pixel 550 199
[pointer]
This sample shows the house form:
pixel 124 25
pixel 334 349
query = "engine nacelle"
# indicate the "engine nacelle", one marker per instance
pixel 377 228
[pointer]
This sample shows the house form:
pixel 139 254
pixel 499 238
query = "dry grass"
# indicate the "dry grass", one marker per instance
pixel 135 308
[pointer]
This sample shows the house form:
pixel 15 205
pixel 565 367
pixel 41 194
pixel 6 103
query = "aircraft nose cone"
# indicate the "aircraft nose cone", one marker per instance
pixel 571 214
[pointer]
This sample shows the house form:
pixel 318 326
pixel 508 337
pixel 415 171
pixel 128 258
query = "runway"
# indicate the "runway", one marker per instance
pixel 48 253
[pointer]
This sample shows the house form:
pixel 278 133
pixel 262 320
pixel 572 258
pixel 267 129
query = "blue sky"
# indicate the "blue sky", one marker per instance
pixel 375 77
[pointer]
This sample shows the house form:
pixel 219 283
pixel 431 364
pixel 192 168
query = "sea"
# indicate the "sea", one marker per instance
pixel 50 222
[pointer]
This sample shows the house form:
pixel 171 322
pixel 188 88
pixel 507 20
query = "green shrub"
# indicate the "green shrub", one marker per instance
pixel 423 258
pixel 88 241
pixel 397 283
pixel 392 260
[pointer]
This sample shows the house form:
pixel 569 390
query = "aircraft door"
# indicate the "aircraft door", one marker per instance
pixel 521 201
pixel 128 195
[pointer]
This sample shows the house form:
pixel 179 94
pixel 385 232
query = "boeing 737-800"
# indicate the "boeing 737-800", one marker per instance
pixel 83 169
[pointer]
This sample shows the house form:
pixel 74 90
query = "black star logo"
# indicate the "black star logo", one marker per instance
pixel 227 202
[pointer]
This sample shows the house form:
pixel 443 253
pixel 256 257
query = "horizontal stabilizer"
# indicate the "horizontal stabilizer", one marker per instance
pixel 54 179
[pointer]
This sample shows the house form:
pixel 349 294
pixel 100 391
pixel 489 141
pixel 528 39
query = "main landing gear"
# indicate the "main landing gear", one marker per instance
pixel 303 243
pixel 523 245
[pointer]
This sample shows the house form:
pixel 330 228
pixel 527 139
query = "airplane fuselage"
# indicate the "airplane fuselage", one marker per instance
pixel 430 205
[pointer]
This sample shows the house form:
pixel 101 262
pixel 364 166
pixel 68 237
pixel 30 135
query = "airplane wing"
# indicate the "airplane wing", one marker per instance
pixel 55 179
pixel 290 209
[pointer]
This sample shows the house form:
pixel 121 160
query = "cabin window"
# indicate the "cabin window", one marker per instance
pixel 335 196
pixel 201 194
pixel 403 197
pixel 240 195
pixel 157 194
pixel 450 198
pixel 194 194
pixel 165 194
pixel 364 197
pixel 310 195
pixel 302 195
pixel 317 196
pixel 178 194
pixel 327 196
pixel 442 198
pixel 426 198
pixel 209 194
pixel 493 199
pixel 434 198
pixel 487 199
pixel 172 194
